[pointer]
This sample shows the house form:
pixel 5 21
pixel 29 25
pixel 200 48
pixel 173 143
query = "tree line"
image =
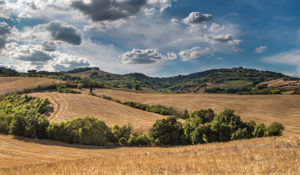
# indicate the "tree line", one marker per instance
pixel 23 116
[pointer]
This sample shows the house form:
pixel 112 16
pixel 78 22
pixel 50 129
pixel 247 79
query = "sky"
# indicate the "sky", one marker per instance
pixel 155 37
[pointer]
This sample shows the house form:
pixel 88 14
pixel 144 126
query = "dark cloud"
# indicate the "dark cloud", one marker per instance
pixel 49 46
pixel 137 56
pixel 36 58
pixel 197 18
pixel 4 31
pixel 109 10
pixel 65 33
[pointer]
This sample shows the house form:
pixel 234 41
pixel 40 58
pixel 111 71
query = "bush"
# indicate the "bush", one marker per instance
pixel 88 131
pixel 121 134
pixel 275 129
pixel 259 130
pixel 167 132
pixel 275 91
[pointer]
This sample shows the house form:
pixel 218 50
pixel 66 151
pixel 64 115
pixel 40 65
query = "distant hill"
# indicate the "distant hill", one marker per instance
pixel 230 80
pixel 234 80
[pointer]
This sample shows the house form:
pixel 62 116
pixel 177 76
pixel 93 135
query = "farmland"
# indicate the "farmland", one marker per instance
pixel 68 106
pixel 260 108
pixel 274 155
pixel 16 84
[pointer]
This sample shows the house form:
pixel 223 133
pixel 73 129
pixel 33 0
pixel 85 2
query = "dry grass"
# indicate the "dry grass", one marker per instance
pixel 261 108
pixel 68 106
pixel 15 84
pixel 281 83
pixel 276 155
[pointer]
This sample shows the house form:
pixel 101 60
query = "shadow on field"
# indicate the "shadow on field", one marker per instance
pixel 58 143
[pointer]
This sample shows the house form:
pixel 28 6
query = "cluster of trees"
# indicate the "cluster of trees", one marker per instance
pixel 23 116
pixel 205 126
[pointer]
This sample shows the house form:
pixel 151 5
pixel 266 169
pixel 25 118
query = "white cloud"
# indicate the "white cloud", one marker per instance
pixel 137 56
pixel 193 53
pixel 197 18
pixel 172 56
pixel 291 57
pixel 261 49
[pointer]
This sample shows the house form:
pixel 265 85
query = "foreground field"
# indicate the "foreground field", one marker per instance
pixel 68 106
pixel 15 84
pixel 261 108
pixel 277 155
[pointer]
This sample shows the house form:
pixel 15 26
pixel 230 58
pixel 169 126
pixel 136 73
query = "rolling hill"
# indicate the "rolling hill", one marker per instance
pixel 273 155
pixel 16 84
pixel 231 80
pixel 261 108
pixel 69 106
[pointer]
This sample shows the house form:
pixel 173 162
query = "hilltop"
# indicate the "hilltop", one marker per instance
pixel 230 80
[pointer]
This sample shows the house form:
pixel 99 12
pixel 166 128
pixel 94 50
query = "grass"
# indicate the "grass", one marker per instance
pixel 16 84
pixel 68 106
pixel 260 108
pixel 274 155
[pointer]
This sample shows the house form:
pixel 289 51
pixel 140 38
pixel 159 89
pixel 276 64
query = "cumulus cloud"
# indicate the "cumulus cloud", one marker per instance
pixel 110 10
pixel 4 31
pixel 63 32
pixel 261 49
pixel 63 62
pixel 172 56
pixel 137 56
pixel 193 53
pixel 197 18
pixel 25 57
pixel 49 46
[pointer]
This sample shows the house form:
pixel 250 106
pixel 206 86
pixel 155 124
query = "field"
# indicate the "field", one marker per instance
pixel 68 106
pixel 276 155
pixel 260 108
pixel 273 155
pixel 15 84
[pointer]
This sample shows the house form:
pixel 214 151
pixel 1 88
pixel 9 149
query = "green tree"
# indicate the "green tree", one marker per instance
pixel 259 130
pixel 275 129
pixel 167 132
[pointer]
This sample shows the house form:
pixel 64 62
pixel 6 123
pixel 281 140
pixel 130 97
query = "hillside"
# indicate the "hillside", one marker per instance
pixel 273 155
pixel 232 81
pixel 15 84
pixel 261 108
pixel 68 106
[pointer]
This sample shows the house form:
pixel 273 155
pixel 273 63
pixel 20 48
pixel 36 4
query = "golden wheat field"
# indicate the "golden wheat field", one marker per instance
pixel 274 155
pixel 68 106
pixel 260 108
pixel 15 84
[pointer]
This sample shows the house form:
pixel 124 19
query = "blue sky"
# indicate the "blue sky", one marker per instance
pixel 154 37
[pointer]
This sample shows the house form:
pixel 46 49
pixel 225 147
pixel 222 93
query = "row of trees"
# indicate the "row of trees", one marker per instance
pixel 205 126
pixel 23 116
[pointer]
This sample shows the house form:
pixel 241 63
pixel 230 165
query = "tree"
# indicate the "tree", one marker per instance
pixel 275 129
pixel 167 132
pixel 259 130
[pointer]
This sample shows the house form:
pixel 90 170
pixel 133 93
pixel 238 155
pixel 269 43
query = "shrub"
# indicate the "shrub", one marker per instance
pixel 121 134
pixel 275 129
pixel 275 91
pixel 167 132
pixel 259 130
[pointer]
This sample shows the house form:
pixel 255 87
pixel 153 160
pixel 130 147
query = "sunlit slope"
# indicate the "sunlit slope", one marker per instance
pixel 15 84
pixel 68 106
pixel 261 108
pixel 276 155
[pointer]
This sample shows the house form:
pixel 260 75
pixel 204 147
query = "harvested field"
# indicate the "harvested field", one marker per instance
pixel 15 84
pixel 68 106
pixel 260 108
pixel 274 155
